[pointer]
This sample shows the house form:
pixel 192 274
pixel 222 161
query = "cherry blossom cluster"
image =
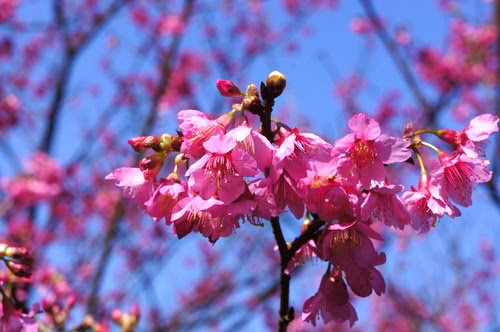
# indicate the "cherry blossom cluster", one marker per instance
pixel 470 60
pixel 42 180
pixel 229 170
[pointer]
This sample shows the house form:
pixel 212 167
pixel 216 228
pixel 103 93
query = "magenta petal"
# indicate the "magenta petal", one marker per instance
pixel 392 149
pixel 232 189
pixel 372 175
pixel 310 311
pixel 368 206
pixel 220 144
pixel 368 231
pixel 377 281
pixel 263 151
pixel 126 176
pixel 198 165
pixel 482 127
pixel 286 148
pixel 343 145
pixel 244 163
pixel 199 183
pixel 239 133
pixel 364 128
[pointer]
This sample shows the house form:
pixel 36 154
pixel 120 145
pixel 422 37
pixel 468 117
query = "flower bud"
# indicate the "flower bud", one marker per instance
pixel 276 83
pixel 18 269
pixel 116 315
pixel 20 254
pixel 228 89
pixel 151 141
pixel 164 144
pixel 408 130
pixel 137 143
pixel 151 166
pixel 251 102
pixel 180 159
pixel 450 136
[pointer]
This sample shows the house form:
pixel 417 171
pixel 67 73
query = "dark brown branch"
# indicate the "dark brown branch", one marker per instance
pixel 286 312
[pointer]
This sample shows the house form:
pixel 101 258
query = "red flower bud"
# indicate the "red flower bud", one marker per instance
pixel 20 254
pixel 18 269
pixel 228 89
pixel 137 143
pixel 151 166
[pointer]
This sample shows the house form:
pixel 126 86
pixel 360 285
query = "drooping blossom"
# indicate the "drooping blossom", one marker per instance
pixel 458 173
pixel 295 149
pixel 383 203
pixel 285 191
pixel 221 170
pixel 331 302
pixel 165 197
pixel 363 153
pixel 306 253
pixel 197 128
pixel 14 320
pixel 469 140
pixel 427 204
pixel 209 217
pixel 253 143
pixel 326 195
pixel 135 186
pixel 42 180
pixel 346 244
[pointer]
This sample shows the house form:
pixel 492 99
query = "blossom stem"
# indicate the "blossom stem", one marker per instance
pixel 424 131
pixel 429 145
pixel 420 161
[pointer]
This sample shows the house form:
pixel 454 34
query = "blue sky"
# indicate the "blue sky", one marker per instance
pixel 327 51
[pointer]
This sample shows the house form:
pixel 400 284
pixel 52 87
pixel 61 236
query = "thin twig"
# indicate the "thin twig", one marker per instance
pixel 396 56
pixel 166 70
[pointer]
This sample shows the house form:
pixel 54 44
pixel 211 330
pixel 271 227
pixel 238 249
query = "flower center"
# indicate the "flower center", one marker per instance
pixel 220 168
pixel 362 153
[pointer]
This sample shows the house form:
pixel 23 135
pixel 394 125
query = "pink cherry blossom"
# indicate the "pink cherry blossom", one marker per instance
pixel 209 217
pixel 135 186
pixel 165 197
pixel 331 302
pixel 305 254
pixel 285 191
pixel 458 173
pixel 385 205
pixel 296 149
pixel 469 140
pixel 14 320
pixel 346 244
pixel 427 203
pixel 363 153
pixel 327 196
pixel 221 170
pixel 197 128
pixel 254 144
